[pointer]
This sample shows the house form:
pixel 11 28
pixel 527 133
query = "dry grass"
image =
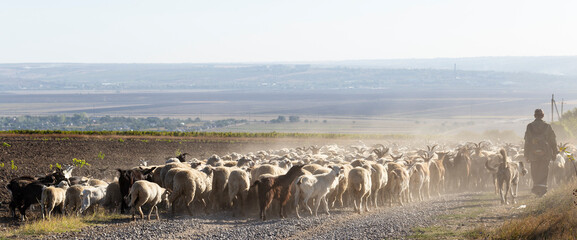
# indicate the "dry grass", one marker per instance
pixel 552 217
pixel 59 224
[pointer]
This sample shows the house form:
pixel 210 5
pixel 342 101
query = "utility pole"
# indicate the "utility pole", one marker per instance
pixel 552 103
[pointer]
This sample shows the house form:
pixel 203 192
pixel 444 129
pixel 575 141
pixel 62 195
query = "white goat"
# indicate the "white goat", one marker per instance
pixel 143 192
pixel 317 186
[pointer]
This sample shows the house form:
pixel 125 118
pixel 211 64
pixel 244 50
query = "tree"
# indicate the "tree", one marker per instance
pixel 294 119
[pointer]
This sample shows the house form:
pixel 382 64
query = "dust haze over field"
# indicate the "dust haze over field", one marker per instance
pixel 387 97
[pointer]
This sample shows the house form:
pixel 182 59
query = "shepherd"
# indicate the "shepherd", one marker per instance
pixel 540 149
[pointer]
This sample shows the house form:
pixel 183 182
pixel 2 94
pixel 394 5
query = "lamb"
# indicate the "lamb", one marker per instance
pixel 91 197
pixel 73 201
pixel 270 188
pixel 143 192
pixel 238 186
pixel 53 197
pixel 317 187
pixel 360 186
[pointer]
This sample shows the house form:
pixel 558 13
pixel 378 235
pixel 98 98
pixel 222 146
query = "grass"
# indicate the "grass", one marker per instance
pixel 552 217
pixel 58 224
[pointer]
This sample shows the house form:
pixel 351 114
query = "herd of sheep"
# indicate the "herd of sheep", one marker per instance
pixel 361 177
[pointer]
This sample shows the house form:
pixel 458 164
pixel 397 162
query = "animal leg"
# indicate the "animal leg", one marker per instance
pixel 326 206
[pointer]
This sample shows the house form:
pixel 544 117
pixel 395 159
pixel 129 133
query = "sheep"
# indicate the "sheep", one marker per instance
pixel 190 185
pixel 317 186
pixel 337 195
pixel 360 184
pixel 265 169
pixel 238 186
pixel 270 188
pixel 96 183
pixel 398 185
pixel 312 167
pixel 169 177
pixel 214 161
pixel 53 197
pixel 92 197
pixel 165 170
pixel 143 192
pixel 113 197
pixel 219 181
pixel 379 178
pixel 73 201
pixel 26 191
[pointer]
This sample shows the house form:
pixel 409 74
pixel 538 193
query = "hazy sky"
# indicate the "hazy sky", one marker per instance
pixel 146 31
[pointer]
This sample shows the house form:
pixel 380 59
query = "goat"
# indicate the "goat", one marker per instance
pixel 270 188
pixel 507 176
pixel 317 187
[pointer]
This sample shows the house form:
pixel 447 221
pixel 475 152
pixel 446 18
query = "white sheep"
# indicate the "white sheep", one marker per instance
pixel 258 171
pixel 73 201
pixel 96 183
pixel 360 187
pixel 143 192
pixel 190 185
pixel 91 197
pixel 53 197
pixel 379 178
pixel 113 197
pixel 238 186
pixel 218 195
pixel 398 185
pixel 317 187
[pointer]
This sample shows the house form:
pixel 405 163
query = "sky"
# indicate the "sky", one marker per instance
pixel 253 31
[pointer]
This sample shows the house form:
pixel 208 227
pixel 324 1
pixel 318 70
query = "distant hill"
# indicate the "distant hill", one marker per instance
pixel 527 73
pixel 563 66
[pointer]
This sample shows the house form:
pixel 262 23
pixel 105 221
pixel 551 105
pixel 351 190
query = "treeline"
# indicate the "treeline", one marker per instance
pixel 82 122
pixel 212 134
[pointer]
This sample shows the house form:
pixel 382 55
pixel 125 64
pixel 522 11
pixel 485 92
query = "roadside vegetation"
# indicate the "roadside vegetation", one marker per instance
pixel 61 224
pixel 483 217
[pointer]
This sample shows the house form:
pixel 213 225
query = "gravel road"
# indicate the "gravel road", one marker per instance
pixel 387 222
